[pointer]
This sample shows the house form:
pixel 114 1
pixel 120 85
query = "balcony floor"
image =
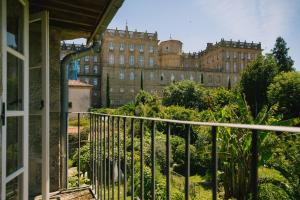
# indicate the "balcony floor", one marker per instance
pixel 71 194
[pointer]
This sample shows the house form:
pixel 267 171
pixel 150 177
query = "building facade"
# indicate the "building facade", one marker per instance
pixel 126 56
pixel 86 69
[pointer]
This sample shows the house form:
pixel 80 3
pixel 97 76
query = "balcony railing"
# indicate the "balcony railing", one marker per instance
pixel 107 138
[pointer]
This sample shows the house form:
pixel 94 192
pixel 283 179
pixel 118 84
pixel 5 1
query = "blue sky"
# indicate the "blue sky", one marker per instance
pixel 196 22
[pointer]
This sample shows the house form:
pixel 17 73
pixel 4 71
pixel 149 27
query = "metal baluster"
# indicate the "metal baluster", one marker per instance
pixel 104 151
pixel 101 159
pixel 113 157
pixel 97 156
pixel 108 153
pixel 90 148
pixel 142 159
pixel 132 159
pixel 153 160
pixel 93 160
pixel 125 160
pixel 168 159
pixel 187 162
pixel 119 162
pixel 214 162
pixel 254 166
pixel 78 146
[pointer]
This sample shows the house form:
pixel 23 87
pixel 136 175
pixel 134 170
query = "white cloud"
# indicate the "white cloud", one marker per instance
pixel 261 20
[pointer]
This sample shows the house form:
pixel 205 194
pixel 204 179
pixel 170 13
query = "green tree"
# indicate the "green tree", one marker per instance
pixel 285 90
pixel 184 93
pixel 107 91
pixel 255 80
pixel 142 80
pixel 280 53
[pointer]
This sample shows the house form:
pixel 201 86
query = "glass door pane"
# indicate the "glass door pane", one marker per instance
pixel 15 25
pixel 14 141
pixel 35 113
pixel 14 146
pixel 14 189
pixel 14 83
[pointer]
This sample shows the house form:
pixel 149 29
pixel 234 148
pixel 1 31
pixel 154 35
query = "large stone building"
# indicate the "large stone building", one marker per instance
pixel 127 55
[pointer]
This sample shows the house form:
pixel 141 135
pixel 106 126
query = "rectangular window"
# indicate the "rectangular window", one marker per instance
pixel 131 76
pixel 234 67
pixel 122 75
pixel 122 46
pixel 122 60
pixel 151 62
pixel 111 59
pixel 95 69
pixel 242 55
pixel 86 69
pixel 111 45
pixel 141 48
pixel 95 81
pixel 141 61
pixel 131 47
pixel 234 54
pixel 242 66
pixel 249 56
pixel 131 60
pixel 95 58
pixel 87 58
pixel 227 54
pixel 151 49
pixel 151 76
pixel 227 67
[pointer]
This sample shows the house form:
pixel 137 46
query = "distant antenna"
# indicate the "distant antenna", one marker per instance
pixel 126 27
pixel 170 36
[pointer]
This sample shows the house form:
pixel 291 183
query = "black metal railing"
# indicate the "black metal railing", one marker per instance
pixel 107 138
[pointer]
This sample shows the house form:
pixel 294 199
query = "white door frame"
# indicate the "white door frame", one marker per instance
pixel 43 17
pixel 10 113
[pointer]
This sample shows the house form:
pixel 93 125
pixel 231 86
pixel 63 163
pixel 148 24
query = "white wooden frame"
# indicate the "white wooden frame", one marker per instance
pixel 23 113
pixel 43 17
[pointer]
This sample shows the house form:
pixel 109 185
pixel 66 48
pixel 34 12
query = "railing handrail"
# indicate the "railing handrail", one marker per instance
pixel 210 124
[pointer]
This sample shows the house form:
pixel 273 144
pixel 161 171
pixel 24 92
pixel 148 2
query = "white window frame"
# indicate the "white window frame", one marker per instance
pixel 121 75
pixel 44 18
pixel 141 61
pixel 95 69
pixel 131 60
pixel 95 58
pixel 22 171
pixel 122 59
pixel 111 59
pixel 151 62
pixel 131 76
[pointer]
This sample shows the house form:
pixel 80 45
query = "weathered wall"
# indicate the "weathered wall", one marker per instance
pixel 35 91
pixel 80 97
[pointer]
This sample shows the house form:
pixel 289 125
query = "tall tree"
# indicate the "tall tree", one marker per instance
pixel 255 80
pixel 229 85
pixel 107 91
pixel 142 80
pixel 283 60
pixel 285 90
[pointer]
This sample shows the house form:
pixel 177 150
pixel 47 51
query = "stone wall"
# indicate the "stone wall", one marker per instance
pixel 80 97
pixel 35 95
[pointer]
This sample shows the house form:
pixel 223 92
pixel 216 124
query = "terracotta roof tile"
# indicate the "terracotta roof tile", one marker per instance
pixel 74 83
